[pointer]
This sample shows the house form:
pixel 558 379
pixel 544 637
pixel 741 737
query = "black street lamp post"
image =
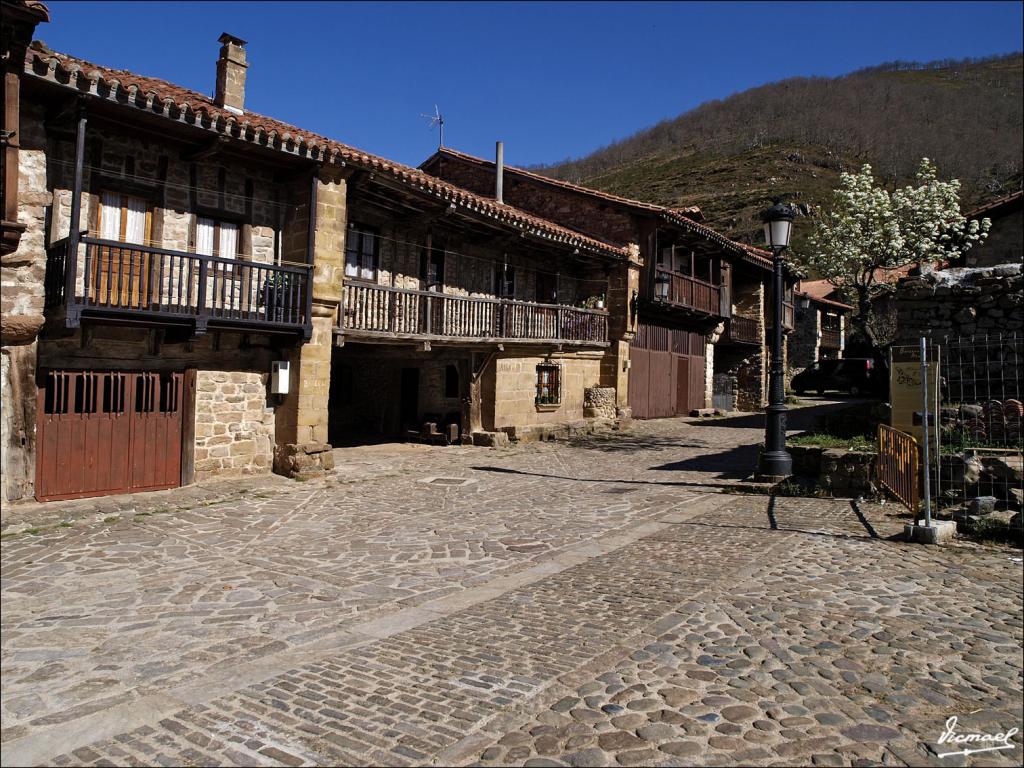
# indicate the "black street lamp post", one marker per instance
pixel 775 462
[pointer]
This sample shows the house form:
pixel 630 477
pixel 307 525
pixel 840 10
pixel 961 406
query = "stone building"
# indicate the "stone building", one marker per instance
pixel 819 330
pixel 1005 241
pixel 180 276
pixel 743 351
pixel 686 293
pixel 474 322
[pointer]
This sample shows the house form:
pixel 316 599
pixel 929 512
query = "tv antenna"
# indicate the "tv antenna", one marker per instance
pixel 436 119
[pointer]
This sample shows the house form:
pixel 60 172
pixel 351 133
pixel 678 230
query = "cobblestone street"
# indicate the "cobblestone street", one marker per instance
pixel 594 603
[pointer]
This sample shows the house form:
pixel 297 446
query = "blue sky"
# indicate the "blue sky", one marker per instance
pixel 553 80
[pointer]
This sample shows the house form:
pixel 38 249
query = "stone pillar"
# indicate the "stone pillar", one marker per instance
pixel 623 284
pixel 301 428
pixel 22 276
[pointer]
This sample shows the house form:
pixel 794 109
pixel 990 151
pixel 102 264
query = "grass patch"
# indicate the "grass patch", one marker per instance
pixel 111 519
pixel 994 531
pixel 858 443
pixel 33 531
pixel 63 524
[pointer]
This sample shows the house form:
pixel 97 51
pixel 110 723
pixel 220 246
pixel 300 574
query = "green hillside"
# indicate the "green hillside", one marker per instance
pixel 794 137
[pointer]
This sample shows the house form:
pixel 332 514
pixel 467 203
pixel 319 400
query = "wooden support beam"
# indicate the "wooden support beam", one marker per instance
pixel 210 149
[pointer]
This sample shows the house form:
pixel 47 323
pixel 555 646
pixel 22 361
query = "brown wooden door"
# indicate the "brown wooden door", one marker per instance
pixel 103 432
pixel 682 385
pixel 661 389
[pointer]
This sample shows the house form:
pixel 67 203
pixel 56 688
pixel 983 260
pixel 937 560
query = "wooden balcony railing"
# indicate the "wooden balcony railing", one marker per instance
pixel 375 310
pixel 111 279
pixel 744 330
pixel 831 338
pixel 693 293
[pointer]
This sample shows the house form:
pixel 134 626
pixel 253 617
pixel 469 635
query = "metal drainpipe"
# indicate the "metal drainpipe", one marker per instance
pixel 499 178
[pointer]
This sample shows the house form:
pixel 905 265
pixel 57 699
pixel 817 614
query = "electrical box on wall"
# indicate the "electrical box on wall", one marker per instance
pixel 279 374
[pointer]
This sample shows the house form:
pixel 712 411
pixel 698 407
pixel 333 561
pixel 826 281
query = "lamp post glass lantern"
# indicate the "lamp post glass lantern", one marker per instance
pixel 661 284
pixel 775 461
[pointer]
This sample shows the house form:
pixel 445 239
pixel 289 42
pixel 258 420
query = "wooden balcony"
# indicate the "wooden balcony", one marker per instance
pixel 744 330
pixel 692 293
pixel 831 338
pixel 117 281
pixel 384 313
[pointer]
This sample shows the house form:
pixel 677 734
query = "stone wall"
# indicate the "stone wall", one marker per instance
pixel 513 382
pixel 234 425
pixel 599 403
pixel 960 302
pixel 835 471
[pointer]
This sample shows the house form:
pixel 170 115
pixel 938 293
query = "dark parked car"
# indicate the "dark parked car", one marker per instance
pixel 855 375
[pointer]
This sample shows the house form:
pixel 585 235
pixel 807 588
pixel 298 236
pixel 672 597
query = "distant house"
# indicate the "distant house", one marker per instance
pixel 1005 241
pixel 702 302
pixel 820 328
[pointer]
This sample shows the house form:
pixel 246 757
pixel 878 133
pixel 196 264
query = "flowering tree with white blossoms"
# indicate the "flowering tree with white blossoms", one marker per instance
pixel 868 232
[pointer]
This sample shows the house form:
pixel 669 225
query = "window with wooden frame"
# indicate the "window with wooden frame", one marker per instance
pixel 362 251
pixel 432 263
pixel 547 288
pixel 125 218
pixel 215 237
pixel 504 281
pixel 549 385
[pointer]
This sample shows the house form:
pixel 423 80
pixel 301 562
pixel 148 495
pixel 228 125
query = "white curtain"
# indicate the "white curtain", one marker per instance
pixel 228 240
pixel 110 216
pixel 135 231
pixel 204 236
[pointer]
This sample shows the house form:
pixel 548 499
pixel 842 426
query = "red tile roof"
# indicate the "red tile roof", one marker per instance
pixel 820 291
pixel 188 107
pixel 997 206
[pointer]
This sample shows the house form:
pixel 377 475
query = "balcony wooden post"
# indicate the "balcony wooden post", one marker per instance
pixel 75 230
pixel 202 312
pixel 310 251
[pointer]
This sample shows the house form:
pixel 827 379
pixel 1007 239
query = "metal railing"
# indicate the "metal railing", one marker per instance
pixel 693 293
pixel 112 278
pixel 744 329
pixel 382 310
pixel 899 465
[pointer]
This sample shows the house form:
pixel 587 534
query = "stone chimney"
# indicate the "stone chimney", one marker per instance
pixel 231 68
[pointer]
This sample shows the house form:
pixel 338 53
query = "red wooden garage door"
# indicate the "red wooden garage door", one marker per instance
pixel 102 432
pixel 666 374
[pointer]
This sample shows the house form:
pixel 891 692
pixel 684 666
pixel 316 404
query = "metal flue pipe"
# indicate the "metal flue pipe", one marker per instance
pixel 499 170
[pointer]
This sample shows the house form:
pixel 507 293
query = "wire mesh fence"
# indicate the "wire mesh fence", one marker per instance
pixel 977 469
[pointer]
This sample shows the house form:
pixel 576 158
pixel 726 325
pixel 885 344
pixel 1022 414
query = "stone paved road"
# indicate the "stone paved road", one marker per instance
pixel 582 604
